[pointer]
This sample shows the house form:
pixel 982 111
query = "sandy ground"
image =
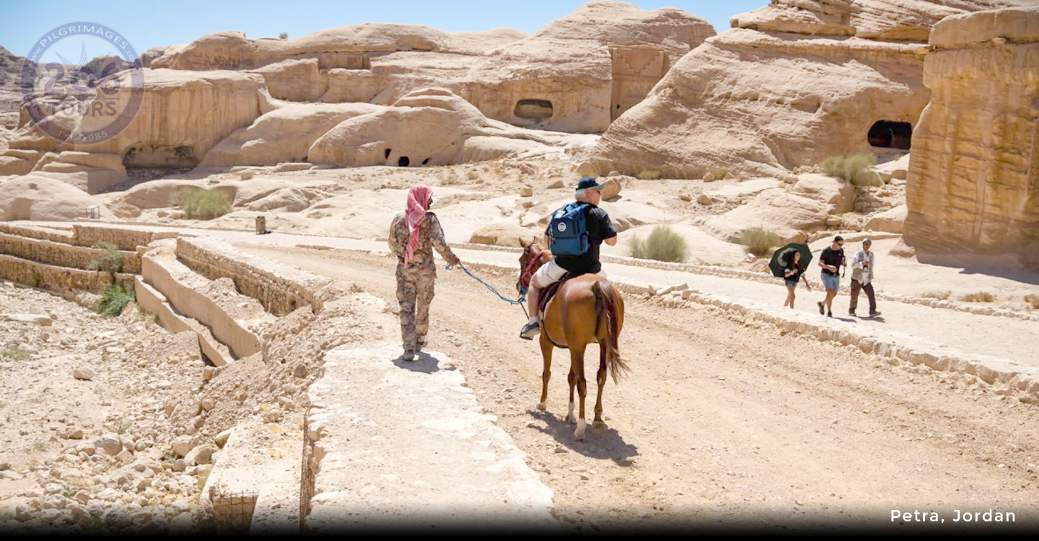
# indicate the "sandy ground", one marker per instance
pixel 725 421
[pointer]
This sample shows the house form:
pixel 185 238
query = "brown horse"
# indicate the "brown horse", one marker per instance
pixel 585 309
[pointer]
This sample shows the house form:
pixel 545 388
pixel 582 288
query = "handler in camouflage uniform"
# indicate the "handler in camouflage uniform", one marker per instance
pixel 413 235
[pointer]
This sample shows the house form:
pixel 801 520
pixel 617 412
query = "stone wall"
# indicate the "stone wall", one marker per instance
pixel 124 239
pixel 45 276
pixel 63 255
pixel 35 232
pixel 973 181
pixel 280 288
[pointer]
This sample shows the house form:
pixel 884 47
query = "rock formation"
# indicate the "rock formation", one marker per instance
pixel 974 171
pixel 575 74
pixel 788 85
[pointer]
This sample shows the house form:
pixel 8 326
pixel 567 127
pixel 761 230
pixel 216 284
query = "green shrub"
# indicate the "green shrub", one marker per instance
pixel 759 241
pixel 197 203
pixel 649 175
pixel 854 169
pixel 17 354
pixel 719 172
pixel 663 244
pixel 111 261
pixel 113 300
pixel 1033 299
pixel 978 296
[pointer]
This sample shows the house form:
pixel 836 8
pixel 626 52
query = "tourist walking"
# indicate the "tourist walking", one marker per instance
pixel 830 261
pixel 413 235
pixel 862 264
pixel 793 274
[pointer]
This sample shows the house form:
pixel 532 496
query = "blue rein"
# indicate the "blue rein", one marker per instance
pixel 520 301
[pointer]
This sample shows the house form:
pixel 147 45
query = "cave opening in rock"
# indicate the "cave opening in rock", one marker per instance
pixel 386 153
pixel 533 109
pixel 403 161
pixel 888 134
pixel 145 162
pixel 425 161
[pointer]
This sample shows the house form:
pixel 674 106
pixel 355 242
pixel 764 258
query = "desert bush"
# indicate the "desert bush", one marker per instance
pixel 649 175
pixel 663 244
pixel 449 177
pixel 111 261
pixel 759 241
pixel 719 172
pixel 940 295
pixel 197 203
pixel 113 300
pixel 1033 300
pixel 854 169
pixel 978 296
pixel 283 35
pixel 16 354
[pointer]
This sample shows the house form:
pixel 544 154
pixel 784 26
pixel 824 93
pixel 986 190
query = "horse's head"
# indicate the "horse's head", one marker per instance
pixel 534 255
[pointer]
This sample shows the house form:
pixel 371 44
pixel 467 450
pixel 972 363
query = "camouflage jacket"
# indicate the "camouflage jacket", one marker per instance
pixel 430 235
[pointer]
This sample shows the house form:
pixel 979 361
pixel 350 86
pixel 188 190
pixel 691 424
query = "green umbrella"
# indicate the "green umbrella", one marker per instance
pixel 782 256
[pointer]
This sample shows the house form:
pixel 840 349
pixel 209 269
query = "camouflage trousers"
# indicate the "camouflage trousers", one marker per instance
pixel 414 292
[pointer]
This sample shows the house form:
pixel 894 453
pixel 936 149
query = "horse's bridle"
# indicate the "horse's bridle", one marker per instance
pixel 528 273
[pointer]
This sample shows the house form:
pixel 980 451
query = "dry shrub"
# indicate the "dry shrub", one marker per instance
pixel 663 244
pixel 200 204
pixel 978 296
pixel 1033 300
pixel 854 169
pixel 649 175
pixel 719 172
pixel 939 295
pixel 759 241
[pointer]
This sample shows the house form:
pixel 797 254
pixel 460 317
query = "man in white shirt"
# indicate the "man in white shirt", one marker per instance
pixel 862 278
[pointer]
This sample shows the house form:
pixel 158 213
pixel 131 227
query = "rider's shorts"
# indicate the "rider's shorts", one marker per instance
pixel 551 273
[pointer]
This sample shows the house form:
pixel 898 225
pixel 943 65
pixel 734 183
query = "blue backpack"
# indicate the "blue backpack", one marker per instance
pixel 567 231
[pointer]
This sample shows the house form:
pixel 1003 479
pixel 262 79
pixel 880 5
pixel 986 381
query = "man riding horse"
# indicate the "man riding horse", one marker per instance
pixel 597 222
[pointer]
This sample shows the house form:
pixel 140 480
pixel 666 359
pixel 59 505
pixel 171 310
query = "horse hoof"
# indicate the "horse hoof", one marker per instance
pixel 541 406
pixel 597 427
pixel 571 419
pixel 579 433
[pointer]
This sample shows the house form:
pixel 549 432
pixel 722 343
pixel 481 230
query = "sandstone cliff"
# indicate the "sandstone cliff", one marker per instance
pixel 974 171
pixel 788 85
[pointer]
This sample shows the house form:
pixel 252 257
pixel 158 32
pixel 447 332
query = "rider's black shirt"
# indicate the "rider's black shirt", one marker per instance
pixel 599 229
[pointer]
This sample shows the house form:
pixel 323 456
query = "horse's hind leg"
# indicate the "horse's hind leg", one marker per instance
pixel 572 380
pixel 600 378
pixel 546 353
pixel 577 364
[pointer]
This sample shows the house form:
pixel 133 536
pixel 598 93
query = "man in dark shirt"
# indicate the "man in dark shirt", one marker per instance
pixel 600 230
pixel 830 261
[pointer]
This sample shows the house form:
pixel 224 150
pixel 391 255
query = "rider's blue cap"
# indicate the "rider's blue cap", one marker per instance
pixel 588 182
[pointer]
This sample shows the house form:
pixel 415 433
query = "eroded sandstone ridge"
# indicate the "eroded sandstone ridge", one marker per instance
pixel 559 78
pixel 788 85
pixel 974 170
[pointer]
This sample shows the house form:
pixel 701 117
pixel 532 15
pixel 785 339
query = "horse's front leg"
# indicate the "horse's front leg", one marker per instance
pixel 546 353
pixel 577 365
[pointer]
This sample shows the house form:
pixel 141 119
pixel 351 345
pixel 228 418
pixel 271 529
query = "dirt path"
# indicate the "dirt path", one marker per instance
pixel 725 421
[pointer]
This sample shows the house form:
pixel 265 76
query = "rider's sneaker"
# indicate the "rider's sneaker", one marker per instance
pixel 530 330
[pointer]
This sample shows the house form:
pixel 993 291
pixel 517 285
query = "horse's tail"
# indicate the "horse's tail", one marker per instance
pixel 609 304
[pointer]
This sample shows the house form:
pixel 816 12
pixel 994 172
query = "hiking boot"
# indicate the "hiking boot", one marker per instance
pixel 530 330
pixel 829 314
pixel 874 314
pixel 852 313
pixel 409 356
pixel 822 309
pixel 420 343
